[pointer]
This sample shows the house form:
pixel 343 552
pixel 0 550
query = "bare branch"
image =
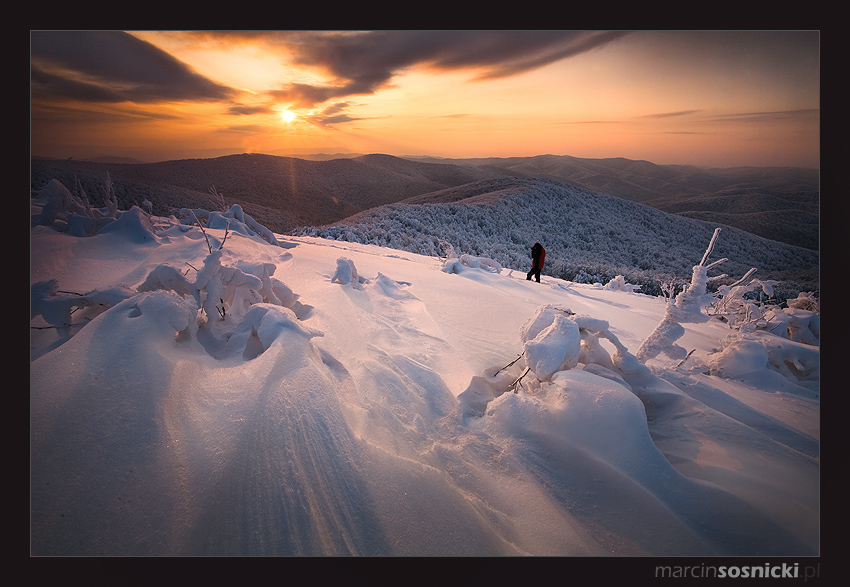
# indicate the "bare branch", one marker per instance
pixel 509 364
pixel 226 229
pixel 209 246
pixel 516 383
pixel 710 247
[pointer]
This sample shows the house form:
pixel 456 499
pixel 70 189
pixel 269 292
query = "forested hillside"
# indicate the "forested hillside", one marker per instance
pixel 589 237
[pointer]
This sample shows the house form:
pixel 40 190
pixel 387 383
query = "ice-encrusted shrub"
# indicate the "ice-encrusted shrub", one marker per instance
pixel 68 311
pixel 619 284
pixel 346 273
pixel 245 224
pixel 686 307
pixel 67 212
pixel 749 306
pixel 224 293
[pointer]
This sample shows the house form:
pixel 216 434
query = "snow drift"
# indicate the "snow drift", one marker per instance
pixel 206 390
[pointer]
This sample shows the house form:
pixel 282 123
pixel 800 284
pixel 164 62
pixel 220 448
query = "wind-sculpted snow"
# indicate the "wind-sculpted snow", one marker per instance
pixel 223 395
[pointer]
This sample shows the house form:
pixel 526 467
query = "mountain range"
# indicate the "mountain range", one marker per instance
pixel 287 192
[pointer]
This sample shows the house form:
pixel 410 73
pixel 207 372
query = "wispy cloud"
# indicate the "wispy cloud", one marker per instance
pixel 334 114
pixel 768 117
pixel 672 114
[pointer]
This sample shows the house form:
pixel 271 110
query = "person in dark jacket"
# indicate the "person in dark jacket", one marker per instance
pixel 538 254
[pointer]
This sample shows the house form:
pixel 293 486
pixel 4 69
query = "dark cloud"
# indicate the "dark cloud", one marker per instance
pixel 44 83
pixel 242 109
pixel 306 96
pixel 334 114
pixel 331 120
pixel 112 66
pixel 364 62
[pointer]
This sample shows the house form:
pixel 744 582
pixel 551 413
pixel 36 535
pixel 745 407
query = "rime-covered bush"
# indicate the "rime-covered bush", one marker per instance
pixel 346 273
pixel 619 284
pixel 67 212
pixel 455 264
pixel 686 307
pixel 556 339
pixel 222 293
pixel 244 223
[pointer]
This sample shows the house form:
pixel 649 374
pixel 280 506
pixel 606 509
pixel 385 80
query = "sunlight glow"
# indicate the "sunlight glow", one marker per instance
pixel 716 98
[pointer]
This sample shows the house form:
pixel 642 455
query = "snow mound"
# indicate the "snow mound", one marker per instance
pixel 346 273
pixel 133 226
pixel 264 325
pixel 556 347
pixel 581 409
pixel 619 284
pixel 749 357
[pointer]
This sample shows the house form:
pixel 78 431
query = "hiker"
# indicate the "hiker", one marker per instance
pixel 538 253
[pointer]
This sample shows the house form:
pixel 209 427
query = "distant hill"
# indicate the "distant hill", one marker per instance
pixel 589 237
pixel 286 192
pixel 642 181
pixel 281 192
pixel 781 203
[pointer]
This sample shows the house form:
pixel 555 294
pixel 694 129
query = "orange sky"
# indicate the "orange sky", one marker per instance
pixel 705 98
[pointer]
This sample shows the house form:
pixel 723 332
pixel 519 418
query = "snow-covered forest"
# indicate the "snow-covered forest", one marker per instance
pixel 393 385
pixel 589 237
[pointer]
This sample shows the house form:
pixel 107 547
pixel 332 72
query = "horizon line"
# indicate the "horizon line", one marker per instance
pixel 353 155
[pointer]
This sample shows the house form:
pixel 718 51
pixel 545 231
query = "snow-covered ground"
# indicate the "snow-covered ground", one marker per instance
pixel 315 397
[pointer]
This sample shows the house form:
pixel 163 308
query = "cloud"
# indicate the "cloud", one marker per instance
pixel 671 114
pixel 331 120
pixel 362 63
pixel 334 114
pixel 244 110
pixel 112 66
pixel 307 96
pixel 775 116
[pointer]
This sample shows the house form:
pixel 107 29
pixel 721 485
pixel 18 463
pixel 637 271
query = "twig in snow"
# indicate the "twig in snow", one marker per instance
pixel 509 364
pixel 686 358
pixel 226 229
pixel 209 246
pixel 517 382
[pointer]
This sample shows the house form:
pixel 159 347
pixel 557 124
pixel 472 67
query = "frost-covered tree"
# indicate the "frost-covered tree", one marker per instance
pixel 686 307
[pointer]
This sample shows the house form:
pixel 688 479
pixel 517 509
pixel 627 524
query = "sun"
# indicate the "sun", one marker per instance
pixel 287 116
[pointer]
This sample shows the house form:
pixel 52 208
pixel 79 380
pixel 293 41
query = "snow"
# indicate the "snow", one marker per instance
pixel 232 392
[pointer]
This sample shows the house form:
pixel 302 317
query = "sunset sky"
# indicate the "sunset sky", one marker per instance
pixel 722 98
